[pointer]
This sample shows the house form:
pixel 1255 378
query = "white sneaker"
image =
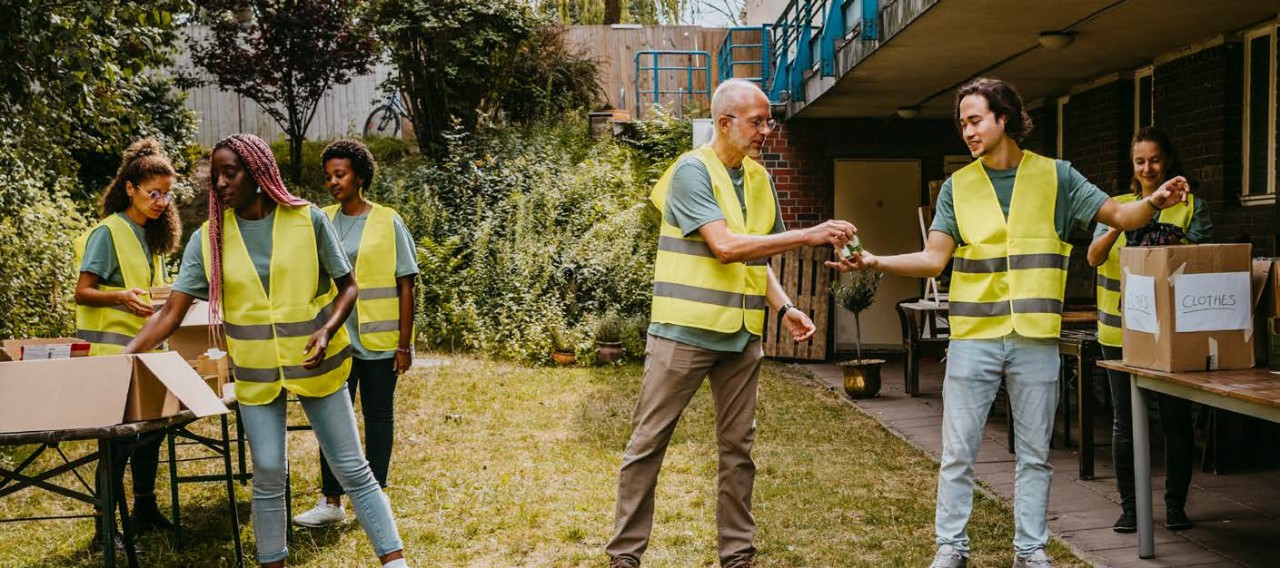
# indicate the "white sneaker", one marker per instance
pixel 1037 559
pixel 322 515
pixel 948 557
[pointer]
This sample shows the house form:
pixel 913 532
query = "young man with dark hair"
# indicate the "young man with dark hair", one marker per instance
pixel 1006 218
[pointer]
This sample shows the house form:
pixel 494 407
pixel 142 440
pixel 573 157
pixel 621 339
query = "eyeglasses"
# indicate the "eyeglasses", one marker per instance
pixel 163 197
pixel 760 123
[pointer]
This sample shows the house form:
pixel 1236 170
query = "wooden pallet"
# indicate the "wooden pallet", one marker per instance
pixel 807 281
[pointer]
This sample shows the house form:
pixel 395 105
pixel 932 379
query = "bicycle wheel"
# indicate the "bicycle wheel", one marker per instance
pixel 383 121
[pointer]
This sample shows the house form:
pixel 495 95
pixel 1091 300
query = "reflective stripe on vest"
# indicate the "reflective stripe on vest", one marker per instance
pixel 267 332
pixel 1110 324
pixel 691 287
pixel 1009 276
pixel 109 329
pixel 378 305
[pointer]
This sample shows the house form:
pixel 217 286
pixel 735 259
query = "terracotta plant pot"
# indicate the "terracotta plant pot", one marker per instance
pixel 564 358
pixel 862 377
pixel 608 352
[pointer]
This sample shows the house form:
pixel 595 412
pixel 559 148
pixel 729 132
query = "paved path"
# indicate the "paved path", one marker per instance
pixel 1237 516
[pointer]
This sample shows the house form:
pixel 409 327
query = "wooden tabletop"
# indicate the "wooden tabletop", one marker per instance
pixel 926 306
pixel 117 431
pixel 1082 316
pixel 1256 386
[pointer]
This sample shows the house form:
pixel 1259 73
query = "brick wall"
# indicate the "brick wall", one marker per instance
pixel 801 170
pixel 1099 126
pixel 1198 100
pixel 1043 138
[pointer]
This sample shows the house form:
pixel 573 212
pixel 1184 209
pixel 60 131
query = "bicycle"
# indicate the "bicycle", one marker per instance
pixel 387 118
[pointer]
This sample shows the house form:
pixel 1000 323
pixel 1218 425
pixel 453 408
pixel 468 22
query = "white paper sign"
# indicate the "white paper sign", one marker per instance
pixel 1212 302
pixel 51 351
pixel 1140 304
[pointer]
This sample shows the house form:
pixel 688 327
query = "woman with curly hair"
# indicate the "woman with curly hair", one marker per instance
pixel 119 260
pixel 376 241
pixel 272 262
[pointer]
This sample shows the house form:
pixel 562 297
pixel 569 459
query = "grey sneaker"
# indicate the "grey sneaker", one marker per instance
pixel 948 557
pixel 1037 559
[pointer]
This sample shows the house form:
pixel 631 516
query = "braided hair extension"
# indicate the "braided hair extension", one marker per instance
pixel 143 160
pixel 256 156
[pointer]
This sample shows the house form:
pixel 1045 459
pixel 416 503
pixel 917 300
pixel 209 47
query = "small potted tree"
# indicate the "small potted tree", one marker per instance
pixel 861 376
pixel 562 348
pixel 609 338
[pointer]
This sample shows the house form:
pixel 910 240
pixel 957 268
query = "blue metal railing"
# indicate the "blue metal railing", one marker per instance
pixel 805 30
pixel 655 67
pixel 756 41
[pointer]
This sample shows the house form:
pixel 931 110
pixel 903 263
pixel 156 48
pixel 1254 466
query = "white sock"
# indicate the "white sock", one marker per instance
pixel 397 563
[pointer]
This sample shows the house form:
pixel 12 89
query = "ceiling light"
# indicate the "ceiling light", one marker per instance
pixel 1056 40
pixel 908 112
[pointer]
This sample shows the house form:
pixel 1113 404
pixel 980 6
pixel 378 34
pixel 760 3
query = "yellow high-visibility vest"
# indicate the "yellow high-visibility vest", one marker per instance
pixel 1009 276
pixel 1110 328
pixel 693 289
pixel 378 308
pixel 110 328
pixel 267 332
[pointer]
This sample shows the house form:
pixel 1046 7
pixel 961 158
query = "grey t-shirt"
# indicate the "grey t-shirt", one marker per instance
pixel 350 230
pixel 1077 205
pixel 1199 231
pixel 691 203
pixel 100 254
pixel 258 240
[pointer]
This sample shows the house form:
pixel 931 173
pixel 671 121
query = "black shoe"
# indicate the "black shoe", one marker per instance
pixel 1175 519
pixel 1127 523
pixel 95 545
pixel 146 516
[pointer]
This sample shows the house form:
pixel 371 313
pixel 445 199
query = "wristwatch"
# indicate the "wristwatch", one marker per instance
pixel 782 312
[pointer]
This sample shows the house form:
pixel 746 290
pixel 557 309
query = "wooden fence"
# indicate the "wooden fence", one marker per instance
pixel 615 48
pixel 807 281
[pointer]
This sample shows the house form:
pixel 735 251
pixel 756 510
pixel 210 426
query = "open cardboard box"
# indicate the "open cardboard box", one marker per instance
pixel 192 339
pixel 43 348
pixel 96 392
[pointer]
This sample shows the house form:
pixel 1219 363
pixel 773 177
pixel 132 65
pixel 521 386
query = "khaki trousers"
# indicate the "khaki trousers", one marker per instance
pixel 673 372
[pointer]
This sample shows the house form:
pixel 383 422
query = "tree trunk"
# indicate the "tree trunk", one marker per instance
pixel 857 334
pixel 295 159
pixel 612 12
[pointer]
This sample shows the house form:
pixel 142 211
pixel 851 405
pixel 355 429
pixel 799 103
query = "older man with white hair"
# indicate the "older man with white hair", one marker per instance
pixel 720 223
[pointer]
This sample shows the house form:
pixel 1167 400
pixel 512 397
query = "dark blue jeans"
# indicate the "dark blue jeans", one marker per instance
pixel 1179 440
pixel 376 382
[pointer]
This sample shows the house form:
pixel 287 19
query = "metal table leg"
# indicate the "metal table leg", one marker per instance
pixel 1142 470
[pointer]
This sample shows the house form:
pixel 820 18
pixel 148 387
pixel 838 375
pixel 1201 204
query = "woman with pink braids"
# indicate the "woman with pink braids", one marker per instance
pixel 279 283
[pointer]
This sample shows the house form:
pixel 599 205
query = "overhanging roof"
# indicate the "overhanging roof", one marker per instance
pixel 948 42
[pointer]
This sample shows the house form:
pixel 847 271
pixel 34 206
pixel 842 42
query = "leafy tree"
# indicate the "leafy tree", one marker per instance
pixel 76 90
pixel 470 64
pixel 285 57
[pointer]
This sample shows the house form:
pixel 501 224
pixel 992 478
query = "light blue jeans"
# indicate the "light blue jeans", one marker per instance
pixel 974 370
pixel 334 424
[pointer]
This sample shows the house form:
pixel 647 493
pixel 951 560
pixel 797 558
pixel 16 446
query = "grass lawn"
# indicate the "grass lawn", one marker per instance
pixel 502 465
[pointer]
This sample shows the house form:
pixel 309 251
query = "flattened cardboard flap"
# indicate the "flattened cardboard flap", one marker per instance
pixel 56 394
pixel 181 380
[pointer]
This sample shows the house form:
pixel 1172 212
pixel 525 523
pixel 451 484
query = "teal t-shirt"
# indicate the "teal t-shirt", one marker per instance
pixel 1199 231
pixel 100 254
pixel 691 203
pixel 349 230
pixel 1077 205
pixel 258 240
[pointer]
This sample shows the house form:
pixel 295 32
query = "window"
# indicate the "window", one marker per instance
pixel 1143 110
pixel 1259 117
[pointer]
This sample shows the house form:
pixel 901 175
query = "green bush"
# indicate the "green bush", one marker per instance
pixel 386 152
pixel 657 141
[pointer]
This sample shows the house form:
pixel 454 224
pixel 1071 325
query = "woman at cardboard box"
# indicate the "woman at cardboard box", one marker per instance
pixel 379 245
pixel 1154 160
pixel 120 261
pixel 273 263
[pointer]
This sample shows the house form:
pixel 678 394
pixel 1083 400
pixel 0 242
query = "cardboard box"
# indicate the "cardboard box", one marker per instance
pixel 96 392
pixel 216 372
pixel 1187 308
pixel 1273 337
pixel 193 338
pixel 43 348
pixel 160 294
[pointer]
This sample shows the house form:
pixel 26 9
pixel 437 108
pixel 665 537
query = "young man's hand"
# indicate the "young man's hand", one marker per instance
pixel 863 260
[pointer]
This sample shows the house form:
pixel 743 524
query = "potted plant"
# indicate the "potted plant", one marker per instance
pixel 562 349
pixel 861 376
pixel 609 338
